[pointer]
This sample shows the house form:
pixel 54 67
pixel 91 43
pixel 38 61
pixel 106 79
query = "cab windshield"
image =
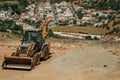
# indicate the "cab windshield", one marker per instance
pixel 32 36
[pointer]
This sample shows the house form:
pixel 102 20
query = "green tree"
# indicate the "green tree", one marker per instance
pixel 50 33
pixel 24 3
pixel 102 5
pixel 80 14
pixel 88 37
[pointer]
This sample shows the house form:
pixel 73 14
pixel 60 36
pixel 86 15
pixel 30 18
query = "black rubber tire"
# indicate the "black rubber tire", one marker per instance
pixel 36 59
pixel 45 53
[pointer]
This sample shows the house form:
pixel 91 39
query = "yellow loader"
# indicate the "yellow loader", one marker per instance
pixel 32 49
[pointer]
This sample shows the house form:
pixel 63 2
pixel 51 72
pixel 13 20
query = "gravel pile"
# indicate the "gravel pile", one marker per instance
pixel 94 56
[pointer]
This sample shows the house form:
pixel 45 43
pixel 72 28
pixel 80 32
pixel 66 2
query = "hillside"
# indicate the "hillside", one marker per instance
pixel 65 51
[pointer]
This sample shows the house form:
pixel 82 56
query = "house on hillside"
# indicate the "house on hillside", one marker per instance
pixel 25 16
pixel 3 14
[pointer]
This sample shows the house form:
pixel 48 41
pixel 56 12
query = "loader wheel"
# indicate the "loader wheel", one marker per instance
pixel 45 53
pixel 36 59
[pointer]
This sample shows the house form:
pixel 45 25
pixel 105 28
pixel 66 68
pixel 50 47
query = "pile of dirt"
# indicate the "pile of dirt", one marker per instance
pixel 93 56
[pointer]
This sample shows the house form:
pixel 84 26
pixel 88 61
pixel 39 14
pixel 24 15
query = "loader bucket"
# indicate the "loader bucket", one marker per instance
pixel 18 63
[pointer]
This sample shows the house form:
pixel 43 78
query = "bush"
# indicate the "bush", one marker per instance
pixel 82 33
pixel 115 23
pixel 107 27
pixel 50 33
pixel 10 25
pixel 2 29
pixel 95 38
pixel 32 23
pixel 60 37
pixel 88 37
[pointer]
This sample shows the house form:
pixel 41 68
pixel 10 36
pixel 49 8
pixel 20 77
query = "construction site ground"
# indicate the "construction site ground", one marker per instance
pixel 60 47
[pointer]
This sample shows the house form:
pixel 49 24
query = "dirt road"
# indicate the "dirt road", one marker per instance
pixel 59 48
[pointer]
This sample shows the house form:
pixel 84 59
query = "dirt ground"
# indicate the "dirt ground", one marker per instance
pixel 59 48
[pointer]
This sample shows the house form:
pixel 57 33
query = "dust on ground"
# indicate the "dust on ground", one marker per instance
pixel 60 48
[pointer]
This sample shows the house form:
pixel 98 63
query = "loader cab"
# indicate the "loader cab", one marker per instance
pixel 33 35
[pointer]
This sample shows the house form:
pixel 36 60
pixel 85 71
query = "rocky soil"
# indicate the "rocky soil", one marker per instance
pixel 70 60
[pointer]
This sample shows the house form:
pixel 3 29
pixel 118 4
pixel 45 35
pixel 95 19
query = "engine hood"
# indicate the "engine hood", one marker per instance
pixel 24 48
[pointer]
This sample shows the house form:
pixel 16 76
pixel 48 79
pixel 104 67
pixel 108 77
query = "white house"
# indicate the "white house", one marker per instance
pixel 3 14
